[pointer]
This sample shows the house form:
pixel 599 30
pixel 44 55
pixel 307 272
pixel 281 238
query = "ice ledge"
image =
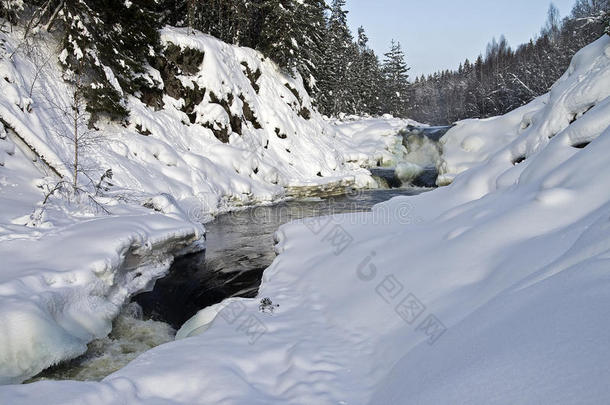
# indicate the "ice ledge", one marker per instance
pixel 59 292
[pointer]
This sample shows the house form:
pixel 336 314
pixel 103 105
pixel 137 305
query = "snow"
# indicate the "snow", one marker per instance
pixel 61 287
pixel 68 267
pixel 186 160
pixel 529 128
pixel 494 289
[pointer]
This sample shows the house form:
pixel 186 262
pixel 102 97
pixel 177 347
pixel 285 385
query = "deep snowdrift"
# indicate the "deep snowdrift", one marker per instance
pixel 492 290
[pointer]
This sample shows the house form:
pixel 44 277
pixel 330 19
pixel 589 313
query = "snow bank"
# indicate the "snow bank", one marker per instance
pixel 251 132
pixel 67 267
pixel 66 273
pixel 61 288
pixel 528 129
pixel 492 290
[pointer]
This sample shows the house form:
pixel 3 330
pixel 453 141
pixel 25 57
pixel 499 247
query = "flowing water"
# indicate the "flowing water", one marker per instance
pixel 239 247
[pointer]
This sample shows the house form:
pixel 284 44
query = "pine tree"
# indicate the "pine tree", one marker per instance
pixel 280 35
pixel 396 82
pixel 107 44
pixel 368 80
pixel 335 88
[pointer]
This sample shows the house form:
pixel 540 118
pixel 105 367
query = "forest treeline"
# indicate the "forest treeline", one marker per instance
pixel 504 78
pixel 109 44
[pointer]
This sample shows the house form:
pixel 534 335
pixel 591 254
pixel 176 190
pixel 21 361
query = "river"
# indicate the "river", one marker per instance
pixel 239 248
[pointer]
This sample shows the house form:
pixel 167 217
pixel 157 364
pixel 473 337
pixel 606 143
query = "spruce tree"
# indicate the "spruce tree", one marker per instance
pixel 335 87
pixel 396 78
pixel 82 60
pixel 252 23
pixel 106 44
pixel 176 12
pixel 312 28
pixel 368 82
pixel 280 35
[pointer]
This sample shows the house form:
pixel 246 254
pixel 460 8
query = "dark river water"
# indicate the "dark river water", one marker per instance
pixel 239 248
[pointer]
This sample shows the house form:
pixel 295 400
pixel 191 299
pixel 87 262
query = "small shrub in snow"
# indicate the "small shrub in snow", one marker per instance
pixel 104 184
pixel 267 306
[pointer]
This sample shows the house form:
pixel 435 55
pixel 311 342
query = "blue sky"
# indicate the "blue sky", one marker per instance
pixel 439 34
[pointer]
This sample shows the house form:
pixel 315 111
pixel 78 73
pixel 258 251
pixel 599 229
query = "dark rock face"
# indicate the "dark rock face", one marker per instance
pixel 222 133
pixel 295 92
pixel 252 76
pixel 187 60
pixel 176 61
pixel 249 114
pixel 152 98
pixel 305 113
pixel 192 98
pixel 236 121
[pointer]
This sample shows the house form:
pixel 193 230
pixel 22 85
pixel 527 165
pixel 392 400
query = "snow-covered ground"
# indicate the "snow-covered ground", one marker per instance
pixel 69 265
pixel 67 268
pixel 494 289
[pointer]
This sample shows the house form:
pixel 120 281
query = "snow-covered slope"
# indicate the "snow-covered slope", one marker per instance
pixel 528 129
pixel 494 290
pixel 224 126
